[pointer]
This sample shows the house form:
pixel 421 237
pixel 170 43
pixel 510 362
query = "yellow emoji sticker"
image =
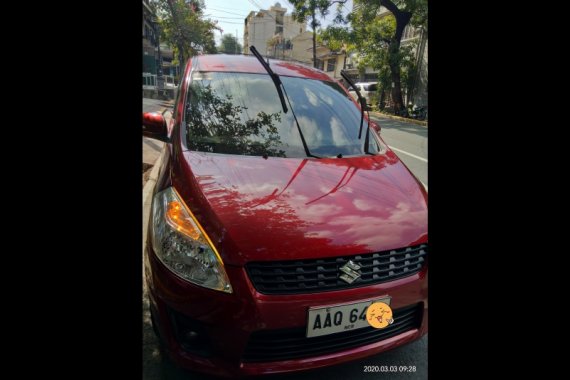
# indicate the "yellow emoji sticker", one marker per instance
pixel 379 315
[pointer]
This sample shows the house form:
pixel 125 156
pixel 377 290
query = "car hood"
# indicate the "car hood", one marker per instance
pixel 257 209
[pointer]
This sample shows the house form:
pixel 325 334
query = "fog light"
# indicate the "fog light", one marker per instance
pixel 191 334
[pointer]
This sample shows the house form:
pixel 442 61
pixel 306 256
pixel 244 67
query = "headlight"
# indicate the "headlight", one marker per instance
pixel 183 246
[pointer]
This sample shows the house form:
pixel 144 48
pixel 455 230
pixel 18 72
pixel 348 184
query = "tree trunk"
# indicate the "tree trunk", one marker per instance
pixel 402 19
pixel 180 61
pixel 382 103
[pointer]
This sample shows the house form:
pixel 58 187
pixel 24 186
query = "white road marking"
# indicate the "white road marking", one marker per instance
pixel 409 154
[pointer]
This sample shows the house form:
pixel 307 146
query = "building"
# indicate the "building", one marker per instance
pixel 331 62
pixel 300 46
pixel 150 39
pixel 158 73
pixel 272 26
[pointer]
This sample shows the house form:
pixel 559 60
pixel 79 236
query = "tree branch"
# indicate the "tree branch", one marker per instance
pixel 388 4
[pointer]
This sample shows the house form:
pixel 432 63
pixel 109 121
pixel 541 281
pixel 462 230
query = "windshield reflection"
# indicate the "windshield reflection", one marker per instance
pixel 215 125
pixel 240 113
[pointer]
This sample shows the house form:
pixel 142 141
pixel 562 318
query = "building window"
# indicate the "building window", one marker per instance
pixel 331 64
pixel 320 64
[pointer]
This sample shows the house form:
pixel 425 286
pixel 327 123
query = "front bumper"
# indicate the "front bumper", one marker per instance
pixel 222 324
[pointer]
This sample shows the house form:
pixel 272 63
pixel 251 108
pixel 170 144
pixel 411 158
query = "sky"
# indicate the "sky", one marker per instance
pixel 231 14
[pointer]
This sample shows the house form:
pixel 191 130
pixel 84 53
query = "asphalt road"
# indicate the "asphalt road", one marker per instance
pixel 402 137
pixel 408 141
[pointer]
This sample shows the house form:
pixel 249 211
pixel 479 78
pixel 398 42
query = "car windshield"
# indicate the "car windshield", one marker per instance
pixel 240 113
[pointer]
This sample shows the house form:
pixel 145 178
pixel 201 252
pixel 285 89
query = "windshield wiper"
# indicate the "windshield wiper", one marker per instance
pixel 360 99
pixel 274 77
pixel 278 85
pixel 363 106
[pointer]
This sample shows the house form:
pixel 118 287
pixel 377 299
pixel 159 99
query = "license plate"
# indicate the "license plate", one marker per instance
pixel 334 319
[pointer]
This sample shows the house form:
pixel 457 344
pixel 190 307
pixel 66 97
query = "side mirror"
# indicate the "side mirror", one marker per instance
pixel 154 126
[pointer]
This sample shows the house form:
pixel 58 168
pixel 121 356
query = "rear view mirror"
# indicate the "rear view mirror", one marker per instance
pixel 154 126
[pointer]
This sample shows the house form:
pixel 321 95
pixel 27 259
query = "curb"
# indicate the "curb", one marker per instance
pixel 405 120
pixel 147 194
pixel 149 187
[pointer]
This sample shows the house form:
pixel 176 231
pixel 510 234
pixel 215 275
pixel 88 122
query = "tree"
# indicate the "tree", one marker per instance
pixel 311 9
pixel 184 28
pixel 402 10
pixel 230 45
pixel 378 40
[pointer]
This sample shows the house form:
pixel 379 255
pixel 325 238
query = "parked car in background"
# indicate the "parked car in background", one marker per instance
pixel 366 89
pixel 274 226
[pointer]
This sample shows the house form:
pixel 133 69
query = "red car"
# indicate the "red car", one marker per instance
pixel 278 217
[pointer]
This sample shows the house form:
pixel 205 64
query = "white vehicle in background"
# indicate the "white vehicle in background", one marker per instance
pixel 366 89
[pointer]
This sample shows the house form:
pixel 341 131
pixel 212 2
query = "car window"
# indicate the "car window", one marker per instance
pixel 372 87
pixel 240 113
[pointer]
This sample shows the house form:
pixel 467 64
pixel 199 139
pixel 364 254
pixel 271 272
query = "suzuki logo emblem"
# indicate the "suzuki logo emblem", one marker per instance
pixel 350 272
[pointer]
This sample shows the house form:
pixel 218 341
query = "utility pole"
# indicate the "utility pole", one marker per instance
pixel 236 43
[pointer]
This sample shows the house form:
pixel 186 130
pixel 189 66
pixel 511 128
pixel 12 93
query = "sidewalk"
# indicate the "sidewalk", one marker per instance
pixel 403 119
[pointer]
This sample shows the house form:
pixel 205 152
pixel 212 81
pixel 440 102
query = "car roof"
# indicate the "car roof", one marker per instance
pixel 250 64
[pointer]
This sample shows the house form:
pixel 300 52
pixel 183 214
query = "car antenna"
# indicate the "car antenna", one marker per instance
pixel 278 85
pixel 360 99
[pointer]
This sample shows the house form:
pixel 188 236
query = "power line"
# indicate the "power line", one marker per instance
pixel 234 23
pixel 225 8
pixel 223 11
pixel 229 18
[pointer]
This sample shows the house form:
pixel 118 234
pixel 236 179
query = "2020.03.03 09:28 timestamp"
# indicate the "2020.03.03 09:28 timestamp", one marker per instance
pixel 389 368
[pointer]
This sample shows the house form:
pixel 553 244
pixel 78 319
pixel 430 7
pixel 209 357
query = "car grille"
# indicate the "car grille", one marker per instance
pixel 304 276
pixel 287 344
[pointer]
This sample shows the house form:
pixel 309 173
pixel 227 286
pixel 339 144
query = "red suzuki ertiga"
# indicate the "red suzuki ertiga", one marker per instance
pixel 278 217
